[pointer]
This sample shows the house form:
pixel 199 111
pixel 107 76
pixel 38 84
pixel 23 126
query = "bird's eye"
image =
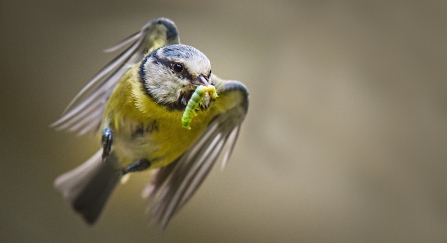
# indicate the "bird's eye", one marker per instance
pixel 209 75
pixel 177 67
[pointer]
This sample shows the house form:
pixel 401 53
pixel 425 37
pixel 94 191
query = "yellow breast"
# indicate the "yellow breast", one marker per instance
pixel 144 129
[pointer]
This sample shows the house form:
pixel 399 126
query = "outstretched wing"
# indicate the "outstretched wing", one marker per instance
pixel 84 113
pixel 172 186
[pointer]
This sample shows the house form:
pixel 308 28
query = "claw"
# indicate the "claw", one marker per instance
pixel 107 138
pixel 138 165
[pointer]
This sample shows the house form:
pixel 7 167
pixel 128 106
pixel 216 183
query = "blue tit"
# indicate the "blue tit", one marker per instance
pixel 135 106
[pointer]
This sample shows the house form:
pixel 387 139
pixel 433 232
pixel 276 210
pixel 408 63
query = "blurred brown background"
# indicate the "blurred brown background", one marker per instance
pixel 345 141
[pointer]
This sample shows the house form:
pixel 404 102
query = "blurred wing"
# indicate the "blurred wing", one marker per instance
pixel 84 113
pixel 172 186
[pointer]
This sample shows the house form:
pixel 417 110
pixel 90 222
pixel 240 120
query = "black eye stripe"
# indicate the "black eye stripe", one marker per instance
pixel 161 60
pixel 185 74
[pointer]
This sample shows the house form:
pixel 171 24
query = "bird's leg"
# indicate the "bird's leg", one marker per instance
pixel 138 165
pixel 107 138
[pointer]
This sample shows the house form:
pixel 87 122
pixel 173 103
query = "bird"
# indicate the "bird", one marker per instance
pixel 134 105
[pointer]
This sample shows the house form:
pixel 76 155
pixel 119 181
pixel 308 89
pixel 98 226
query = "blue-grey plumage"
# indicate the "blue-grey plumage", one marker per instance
pixel 137 101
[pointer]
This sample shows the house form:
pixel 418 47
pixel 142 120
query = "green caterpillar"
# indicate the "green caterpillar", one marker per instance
pixel 195 101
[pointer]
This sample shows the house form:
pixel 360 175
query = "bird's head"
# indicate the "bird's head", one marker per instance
pixel 171 74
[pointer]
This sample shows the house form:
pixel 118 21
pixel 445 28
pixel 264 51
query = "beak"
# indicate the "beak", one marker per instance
pixel 201 80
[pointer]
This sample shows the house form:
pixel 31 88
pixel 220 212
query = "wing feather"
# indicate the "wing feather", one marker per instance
pixel 172 186
pixel 84 113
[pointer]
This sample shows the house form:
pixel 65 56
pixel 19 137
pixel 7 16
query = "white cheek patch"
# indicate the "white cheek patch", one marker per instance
pixel 184 82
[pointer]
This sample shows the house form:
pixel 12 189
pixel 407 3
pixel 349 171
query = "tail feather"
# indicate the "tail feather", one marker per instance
pixel 87 187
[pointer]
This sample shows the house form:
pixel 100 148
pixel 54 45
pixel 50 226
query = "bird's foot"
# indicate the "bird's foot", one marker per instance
pixel 107 139
pixel 136 166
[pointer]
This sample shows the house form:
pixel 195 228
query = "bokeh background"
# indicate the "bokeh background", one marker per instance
pixel 345 140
